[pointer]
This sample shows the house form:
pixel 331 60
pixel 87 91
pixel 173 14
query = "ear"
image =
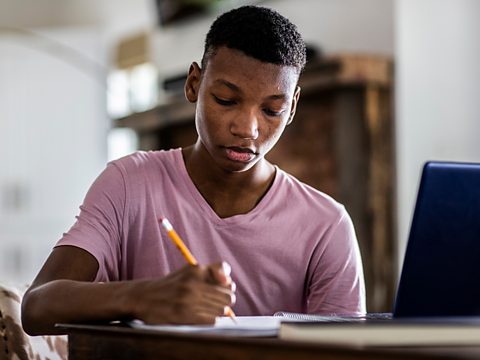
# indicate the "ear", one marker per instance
pixel 192 84
pixel 296 96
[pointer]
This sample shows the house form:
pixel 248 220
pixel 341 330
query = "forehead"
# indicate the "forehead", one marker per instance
pixel 249 73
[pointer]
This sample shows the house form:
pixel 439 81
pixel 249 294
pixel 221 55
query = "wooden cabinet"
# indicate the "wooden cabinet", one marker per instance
pixel 340 142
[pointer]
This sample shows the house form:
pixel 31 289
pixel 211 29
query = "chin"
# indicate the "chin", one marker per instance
pixel 236 166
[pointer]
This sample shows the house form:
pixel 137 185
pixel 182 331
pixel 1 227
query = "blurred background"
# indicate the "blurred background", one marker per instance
pixel 389 85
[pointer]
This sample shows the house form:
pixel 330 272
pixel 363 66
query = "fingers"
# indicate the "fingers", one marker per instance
pixel 192 295
pixel 219 295
pixel 220 273
pixel 217 288
pixel 215 274
pixel 207 280
pixel 200 304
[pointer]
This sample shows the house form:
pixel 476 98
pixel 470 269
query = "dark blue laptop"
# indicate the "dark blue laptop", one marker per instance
pixel 441 269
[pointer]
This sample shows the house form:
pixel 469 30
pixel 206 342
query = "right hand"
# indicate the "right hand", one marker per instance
pixel 192 295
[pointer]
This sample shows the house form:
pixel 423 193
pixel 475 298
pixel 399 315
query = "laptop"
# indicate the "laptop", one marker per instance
pixel 441 269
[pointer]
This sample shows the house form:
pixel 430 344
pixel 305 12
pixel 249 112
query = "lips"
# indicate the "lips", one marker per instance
pixel 240 154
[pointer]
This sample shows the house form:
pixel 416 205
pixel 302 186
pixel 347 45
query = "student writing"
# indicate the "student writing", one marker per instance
pixel 290 247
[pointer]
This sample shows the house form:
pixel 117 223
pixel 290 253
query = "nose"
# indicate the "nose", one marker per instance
pixel 245 126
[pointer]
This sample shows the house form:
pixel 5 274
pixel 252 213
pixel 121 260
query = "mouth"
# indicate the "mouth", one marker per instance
pixel 240 154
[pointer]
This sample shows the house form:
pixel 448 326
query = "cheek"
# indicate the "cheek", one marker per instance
pixel 207 122
pixel 272 134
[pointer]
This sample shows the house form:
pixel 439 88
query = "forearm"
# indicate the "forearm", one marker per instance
pixel 68 301
pixel 191 295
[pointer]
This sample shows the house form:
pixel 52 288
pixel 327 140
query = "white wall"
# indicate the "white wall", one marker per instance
pixel 120 16
pixel 53 122
pixel 112 18
pixel 438 87
pixel 53 127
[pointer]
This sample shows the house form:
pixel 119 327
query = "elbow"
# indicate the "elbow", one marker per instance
pixel 30 317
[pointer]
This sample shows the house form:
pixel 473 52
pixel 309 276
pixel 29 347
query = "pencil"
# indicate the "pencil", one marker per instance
pixel 186 253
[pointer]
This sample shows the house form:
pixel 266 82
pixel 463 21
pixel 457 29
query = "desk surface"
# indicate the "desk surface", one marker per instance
pixel 115 342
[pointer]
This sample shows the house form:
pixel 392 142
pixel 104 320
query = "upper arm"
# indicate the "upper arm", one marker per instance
pixel 337 283
pixel 67 263
pixel 99 226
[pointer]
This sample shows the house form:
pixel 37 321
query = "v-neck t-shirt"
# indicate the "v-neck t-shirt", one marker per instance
pixel 295 251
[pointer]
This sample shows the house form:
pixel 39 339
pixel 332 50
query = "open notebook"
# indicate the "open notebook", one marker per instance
pixel 440 272
pixel 243 326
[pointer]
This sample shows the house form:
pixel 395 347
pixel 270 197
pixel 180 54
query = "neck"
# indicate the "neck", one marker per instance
pixel 228 193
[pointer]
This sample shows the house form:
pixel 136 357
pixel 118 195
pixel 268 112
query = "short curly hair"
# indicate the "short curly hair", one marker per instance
pixel 259 32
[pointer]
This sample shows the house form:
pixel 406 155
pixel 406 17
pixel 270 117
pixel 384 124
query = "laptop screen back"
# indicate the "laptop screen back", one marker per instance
pixel 441 268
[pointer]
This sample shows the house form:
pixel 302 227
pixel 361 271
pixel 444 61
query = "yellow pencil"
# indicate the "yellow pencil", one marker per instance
pixel 185 252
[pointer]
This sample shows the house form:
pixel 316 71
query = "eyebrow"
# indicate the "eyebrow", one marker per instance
pixel 237 89
pixel 228 84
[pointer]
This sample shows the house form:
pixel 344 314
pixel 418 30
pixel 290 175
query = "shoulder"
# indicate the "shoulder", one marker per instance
pixel 302 195
pixel 144 160
pixel 137 168
pixel 145 170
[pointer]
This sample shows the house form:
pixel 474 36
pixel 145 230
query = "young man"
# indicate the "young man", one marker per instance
pixel 290 246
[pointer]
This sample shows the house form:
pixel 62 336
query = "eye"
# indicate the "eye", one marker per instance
pixel 223 101
pixel 271 112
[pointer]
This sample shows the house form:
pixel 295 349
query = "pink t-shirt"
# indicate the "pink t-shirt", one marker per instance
pixel 295 251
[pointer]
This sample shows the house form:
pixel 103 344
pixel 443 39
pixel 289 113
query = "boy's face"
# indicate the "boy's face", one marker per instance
pixel 243 106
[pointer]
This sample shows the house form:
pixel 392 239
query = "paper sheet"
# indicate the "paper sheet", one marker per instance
pixel 245 326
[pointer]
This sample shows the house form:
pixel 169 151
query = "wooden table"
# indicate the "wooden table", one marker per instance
pixel 115 342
